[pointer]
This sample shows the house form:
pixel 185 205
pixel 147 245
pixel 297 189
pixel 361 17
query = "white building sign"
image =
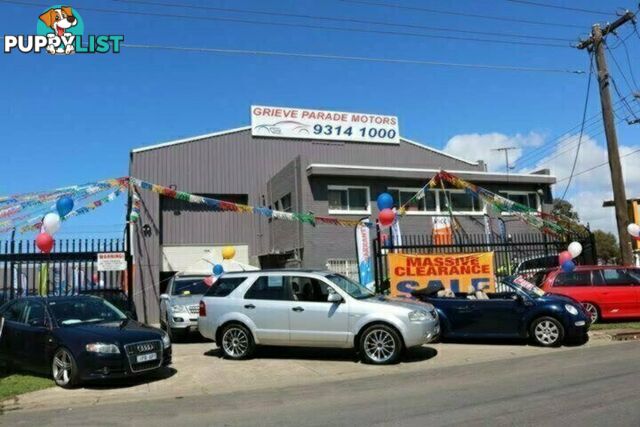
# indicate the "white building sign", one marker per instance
pixel 112 261
pixel 299 123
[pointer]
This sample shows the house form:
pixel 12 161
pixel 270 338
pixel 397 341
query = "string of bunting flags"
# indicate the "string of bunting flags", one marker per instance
pixel 224 206
pixel 546 223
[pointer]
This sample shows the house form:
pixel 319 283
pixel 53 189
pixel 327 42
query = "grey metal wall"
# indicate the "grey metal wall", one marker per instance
pixel 237 163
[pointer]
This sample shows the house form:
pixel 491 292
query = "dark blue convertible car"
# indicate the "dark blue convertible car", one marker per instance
pixel 521 310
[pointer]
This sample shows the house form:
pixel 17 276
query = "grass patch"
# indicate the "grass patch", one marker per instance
pixel 15 384
pixel 615 325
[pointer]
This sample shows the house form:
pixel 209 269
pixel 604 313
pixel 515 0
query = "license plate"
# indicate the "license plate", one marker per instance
pixel 146 357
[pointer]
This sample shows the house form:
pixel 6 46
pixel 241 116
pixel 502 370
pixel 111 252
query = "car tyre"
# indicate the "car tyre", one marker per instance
pixel 380 345
pixel 547 332
pixel 593 311
pixel 236 342
pixel 64 369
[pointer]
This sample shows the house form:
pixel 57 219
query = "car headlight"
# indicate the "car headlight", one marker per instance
pixel 418 315
pixel 104 348
pixel 179 309
pixel 166 342
pixel 571 309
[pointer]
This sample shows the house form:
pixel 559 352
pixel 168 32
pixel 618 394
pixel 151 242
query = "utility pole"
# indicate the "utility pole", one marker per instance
pixel 506 157
pixel 595 44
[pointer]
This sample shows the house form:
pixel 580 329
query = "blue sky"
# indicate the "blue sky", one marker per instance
pixel 69 120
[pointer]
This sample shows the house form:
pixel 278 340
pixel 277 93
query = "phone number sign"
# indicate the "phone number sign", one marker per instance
pixel 298 123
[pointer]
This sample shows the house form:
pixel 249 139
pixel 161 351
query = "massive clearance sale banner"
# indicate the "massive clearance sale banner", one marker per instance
pixel 458 272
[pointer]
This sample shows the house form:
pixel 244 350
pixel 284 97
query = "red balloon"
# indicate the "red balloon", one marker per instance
pixel 44 242
pixel 95 278
pixel 564 256
pixel 386 217
pixel 208 280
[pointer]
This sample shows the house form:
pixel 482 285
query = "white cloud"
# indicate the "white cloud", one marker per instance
pixel 589 189
pixel 476 146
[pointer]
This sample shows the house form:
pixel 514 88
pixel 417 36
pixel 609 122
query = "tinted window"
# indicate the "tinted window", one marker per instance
pixel 78 310
pixel 269 287
pixel 35 314
pixel 617 277
pixel 189 286
pixel 577 278
pixel 224 286
pixel 307 289
pixel 15 311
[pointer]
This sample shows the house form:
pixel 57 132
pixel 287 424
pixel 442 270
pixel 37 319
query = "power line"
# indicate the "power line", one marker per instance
pixel 466 15
pixel 597 166
pixel 350 58
pixel 554 6
pixel 341 19
pixel 305 26
pixel 584 116
pixel 626 51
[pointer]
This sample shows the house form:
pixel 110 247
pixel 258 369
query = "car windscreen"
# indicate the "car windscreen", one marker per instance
pixel 189 286
pixel 523 285
pixel 118 299
pixel 354 289
pixel 78 310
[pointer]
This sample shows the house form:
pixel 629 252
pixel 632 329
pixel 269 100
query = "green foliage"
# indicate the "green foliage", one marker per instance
pixel 607 246
pixel 562 207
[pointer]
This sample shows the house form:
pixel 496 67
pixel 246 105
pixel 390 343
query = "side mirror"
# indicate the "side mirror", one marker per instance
pixel 164 297
pixel 334 297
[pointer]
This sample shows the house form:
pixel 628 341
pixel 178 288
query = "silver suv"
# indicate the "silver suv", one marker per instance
pixel 179 305
pixel 311 309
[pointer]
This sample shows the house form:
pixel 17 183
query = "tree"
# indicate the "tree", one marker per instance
pixel 607 246
pixel 562 207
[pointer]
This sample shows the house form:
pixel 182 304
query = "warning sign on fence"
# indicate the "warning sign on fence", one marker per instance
pixel 112 261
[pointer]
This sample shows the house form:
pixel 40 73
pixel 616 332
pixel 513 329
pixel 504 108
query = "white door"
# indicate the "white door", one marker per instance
pixel 314 320
pixel 267 303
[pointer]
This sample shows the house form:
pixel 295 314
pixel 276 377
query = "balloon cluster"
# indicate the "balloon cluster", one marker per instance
pixel 565 258
pixel 51 224
pixel 634 230
pixel 385 205
pixel 228 252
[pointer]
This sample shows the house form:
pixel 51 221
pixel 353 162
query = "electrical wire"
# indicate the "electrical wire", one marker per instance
pixel 341 19
pixel 584 116
pixel 305 26
pixel 466 15
pixel 350 58
pixel 597 166
pixel 554 6
pixel 626 51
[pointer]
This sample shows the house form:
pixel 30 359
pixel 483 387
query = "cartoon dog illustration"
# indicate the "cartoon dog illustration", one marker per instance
pixel 59 20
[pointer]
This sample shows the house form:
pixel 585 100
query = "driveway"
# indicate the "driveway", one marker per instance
pixel 198 370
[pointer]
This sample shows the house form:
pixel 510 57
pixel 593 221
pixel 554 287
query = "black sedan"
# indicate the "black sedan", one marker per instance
pixel 521 311
pixel 78 338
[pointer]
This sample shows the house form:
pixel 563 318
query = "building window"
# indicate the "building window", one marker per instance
pixel 435 201
pixel 531 199
pixel 348 200
pixel 285 202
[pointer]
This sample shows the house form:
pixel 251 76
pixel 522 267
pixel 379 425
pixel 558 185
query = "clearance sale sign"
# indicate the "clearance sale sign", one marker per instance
pixel 458 272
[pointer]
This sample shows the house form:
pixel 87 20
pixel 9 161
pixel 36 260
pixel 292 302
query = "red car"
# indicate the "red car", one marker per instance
pixel 607 291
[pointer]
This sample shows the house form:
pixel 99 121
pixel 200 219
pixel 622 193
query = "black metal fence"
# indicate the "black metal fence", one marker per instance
pixel 69 269
pixel 518 254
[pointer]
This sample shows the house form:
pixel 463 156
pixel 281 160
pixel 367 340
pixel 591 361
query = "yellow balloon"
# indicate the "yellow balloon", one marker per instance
pixel 228 252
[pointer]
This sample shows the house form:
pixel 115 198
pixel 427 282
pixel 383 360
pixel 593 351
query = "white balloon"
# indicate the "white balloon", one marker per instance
pixel 51 223
pixel 633 229
pixel 575 249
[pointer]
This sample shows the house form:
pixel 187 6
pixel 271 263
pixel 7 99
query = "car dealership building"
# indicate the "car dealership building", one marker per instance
pixel 294 160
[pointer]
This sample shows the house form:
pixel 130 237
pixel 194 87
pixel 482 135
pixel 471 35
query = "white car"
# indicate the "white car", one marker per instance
pixel 311 309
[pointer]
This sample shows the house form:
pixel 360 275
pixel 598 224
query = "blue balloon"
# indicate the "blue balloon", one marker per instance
pixel 385 201
pixel 568 266
pixel 218 270
pixel 64 205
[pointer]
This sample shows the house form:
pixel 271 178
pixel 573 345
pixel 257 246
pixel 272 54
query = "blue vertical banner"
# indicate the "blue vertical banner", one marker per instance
pixel 365 257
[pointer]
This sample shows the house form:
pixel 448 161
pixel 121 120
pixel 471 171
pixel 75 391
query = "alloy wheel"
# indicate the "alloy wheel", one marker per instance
pixel 379 345
pixel 235 342
pixel 547 332
pixel 62 368
pixel 592 310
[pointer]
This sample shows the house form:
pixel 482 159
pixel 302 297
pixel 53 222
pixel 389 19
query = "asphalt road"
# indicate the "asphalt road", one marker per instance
pixel 584 386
